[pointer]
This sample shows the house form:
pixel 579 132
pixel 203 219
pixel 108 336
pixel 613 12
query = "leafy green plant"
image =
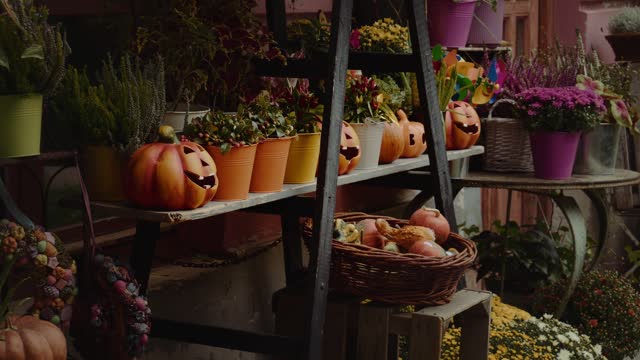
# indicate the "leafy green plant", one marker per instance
pixel 363 99
pixel 266 117
pixel 520 258
pixel 604 306
pixel 225 130
pixel 123 110
pixel 296 100
pixel 32 52
pixel 626 21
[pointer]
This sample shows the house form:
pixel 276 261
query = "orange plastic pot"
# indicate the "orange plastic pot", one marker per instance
pixel 234 171
pixel 270 165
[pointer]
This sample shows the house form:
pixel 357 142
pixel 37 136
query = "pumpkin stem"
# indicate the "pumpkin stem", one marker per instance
pixel 168 135
pixel 432 210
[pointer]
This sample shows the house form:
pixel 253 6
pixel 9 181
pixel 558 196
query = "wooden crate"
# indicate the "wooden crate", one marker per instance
pixel 369 332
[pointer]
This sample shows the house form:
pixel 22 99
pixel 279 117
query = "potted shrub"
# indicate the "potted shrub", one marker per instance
pixel 297 101
pixel 624 34
pixel 276 132
pixel 555 118
pixel 32 61
pixel 363 111
pixel 231 140
pixel 108 121
pixel 487 24
pixel 209 48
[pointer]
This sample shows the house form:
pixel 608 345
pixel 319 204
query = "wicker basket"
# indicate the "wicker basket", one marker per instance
pixel 507 147
pixel 407 279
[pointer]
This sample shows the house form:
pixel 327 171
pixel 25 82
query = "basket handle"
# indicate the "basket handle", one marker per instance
pixel 501 101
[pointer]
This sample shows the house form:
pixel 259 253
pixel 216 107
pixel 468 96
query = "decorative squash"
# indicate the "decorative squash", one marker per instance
pixel 349 148
pixel 392 143
pixel 415 138
pixel 462 125
pixel 28 338
pixel 171 175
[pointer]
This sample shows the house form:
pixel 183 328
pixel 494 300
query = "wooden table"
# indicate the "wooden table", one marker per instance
pixel 291 206
pixel 593 186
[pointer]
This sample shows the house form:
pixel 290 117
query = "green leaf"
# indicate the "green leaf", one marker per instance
pixel 33 52
pixel 4 59
pixel 437 53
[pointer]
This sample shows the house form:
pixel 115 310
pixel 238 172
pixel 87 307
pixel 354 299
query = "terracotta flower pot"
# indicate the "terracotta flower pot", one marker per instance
pixel 103 170
pixel 270 165
pixel 234 171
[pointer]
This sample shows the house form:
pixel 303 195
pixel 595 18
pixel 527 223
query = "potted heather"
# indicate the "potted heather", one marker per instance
pixel 232 140
pixel 276 132
pixel 297 101
pixel 108 121
pixel 32 58
pixel 555 118
pixel 362 109
pixel 624 34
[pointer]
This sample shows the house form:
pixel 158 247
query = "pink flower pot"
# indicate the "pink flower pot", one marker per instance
pixel 554 153
pixel 449 21
pixel 487 25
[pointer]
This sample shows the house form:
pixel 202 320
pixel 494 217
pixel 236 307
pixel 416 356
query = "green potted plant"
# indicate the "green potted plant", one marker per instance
pixel 32 62
pixel 555 118
pixel 232 140
pixel 209 48
pixel 297 101
pixel 108 121
pixel 362 109
pixel 624 34
pixel 276 131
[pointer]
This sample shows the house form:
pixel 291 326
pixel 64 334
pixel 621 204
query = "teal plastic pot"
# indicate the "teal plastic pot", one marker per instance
pixel 20 125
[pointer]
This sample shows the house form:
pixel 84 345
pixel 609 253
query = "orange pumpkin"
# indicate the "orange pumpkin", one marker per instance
pixel 392 143
pixel 462 125
pixel 349 149
pixel 415 138
pixel 171 175
pixel 29 338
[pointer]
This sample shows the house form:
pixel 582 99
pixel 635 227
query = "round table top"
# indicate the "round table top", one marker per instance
pixel 527 181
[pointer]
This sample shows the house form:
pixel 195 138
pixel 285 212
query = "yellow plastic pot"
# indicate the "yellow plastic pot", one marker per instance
pixel 103 170
pixel 303 159
pixel 21 124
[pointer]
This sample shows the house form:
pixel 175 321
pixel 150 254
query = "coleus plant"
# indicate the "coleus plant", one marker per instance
pixel 617 110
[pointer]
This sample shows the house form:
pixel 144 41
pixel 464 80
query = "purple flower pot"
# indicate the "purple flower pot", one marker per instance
pixel 487 25
pixel 554 153
pixel 449 21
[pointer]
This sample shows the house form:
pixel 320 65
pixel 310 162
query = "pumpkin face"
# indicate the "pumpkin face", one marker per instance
pixel 392 143
pixel 171 176
pixel 349 149
pixel 30 338
pixel 462 126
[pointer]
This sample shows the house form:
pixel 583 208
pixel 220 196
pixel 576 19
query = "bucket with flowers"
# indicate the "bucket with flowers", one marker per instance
pixel 555 118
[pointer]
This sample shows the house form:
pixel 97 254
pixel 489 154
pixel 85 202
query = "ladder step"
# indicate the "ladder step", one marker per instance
pixel 243 340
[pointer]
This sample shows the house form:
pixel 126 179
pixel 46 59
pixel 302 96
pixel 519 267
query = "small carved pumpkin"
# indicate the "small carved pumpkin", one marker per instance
pixel 29 338
pixel 462 125
pixel 349 149
pixel 415 138
pixel 171 175
pixel 392 143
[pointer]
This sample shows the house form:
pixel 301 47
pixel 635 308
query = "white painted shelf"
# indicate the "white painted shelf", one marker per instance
pixel 213 208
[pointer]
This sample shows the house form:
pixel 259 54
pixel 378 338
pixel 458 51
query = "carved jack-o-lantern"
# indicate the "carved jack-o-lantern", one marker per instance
pixel 171 175
pixel 349 149
pixel 462 126
pixel 415 138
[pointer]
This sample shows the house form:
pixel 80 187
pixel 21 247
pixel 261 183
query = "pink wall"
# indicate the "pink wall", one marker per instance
pixel 591 18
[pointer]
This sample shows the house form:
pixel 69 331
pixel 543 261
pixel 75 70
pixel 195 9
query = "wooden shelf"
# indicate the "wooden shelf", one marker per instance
pixel 289 190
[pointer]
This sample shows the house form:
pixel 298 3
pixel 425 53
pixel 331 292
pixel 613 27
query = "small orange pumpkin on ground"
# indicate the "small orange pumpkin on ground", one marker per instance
pixel 349 148
pixel 415 138
pixel 171 175
pixel 392 143
pixel 462 125
pixel 28 338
